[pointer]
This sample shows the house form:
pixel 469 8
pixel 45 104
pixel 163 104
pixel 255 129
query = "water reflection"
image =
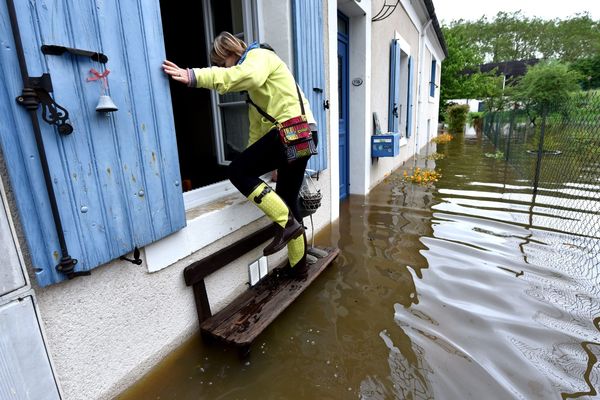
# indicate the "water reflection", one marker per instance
pixel 459 290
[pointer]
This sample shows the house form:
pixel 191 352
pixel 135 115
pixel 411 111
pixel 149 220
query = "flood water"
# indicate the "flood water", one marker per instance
pixel 458 290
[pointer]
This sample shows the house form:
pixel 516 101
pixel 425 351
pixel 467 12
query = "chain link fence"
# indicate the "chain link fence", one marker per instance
pixel 556 150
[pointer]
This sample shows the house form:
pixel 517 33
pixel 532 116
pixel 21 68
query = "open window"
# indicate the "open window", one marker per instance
pixel 211 129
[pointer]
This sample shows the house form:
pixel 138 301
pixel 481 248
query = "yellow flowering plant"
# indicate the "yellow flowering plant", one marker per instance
pixel 443 138
pixel 422 176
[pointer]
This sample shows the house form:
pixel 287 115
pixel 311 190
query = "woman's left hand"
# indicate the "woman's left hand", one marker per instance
pixel 178 74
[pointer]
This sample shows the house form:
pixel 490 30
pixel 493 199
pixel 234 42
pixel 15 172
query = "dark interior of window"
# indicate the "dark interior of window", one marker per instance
pixel 185 40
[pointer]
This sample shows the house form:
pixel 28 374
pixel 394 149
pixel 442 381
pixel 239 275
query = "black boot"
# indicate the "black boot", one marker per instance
pixel 300 268
pixel 292 230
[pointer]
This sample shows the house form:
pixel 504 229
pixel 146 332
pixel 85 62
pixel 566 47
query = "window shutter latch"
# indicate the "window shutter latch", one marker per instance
pixel 37 91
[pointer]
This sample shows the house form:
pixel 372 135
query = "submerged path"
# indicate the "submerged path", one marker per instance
pixel 459 289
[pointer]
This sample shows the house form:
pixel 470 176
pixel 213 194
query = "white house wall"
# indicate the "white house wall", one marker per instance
pixel 399 24
pixel 430 105
pixel 107 330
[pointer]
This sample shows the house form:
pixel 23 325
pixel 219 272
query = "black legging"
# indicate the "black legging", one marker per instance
pixel 265 155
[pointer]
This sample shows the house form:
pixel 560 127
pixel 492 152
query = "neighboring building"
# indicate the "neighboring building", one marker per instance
pixel 508 70
pixel 152 175
pixel 474 105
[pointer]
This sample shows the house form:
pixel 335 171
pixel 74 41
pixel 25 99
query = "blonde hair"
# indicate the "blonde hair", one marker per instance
pixel 225 45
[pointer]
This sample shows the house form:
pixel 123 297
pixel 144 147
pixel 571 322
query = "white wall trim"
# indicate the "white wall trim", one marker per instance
pixel 360 104
pixel 359 96
pixel 404 46
pixel 434 48
pixel 333 112
pixel 205 225
pixel 413 14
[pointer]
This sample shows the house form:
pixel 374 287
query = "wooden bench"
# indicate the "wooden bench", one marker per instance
pixel 240 322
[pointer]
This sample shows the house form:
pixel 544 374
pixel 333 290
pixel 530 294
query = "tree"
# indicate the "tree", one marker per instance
pixel 589 71
pixel 513 36
pixel 462 55
pixel 546 84
pixel 578 37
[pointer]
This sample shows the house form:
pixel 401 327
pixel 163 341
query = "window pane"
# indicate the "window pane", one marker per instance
pixel 228 16
pixel 235 129
pixel 340 80
pixel 342 26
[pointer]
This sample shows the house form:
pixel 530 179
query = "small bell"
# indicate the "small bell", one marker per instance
pixel 105 104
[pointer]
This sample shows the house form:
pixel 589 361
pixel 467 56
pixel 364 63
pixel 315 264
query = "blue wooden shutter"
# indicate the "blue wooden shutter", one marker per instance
pixel 394 96
pixel 116 177
pixel 432 83
pixel 409 100
pixel 308 67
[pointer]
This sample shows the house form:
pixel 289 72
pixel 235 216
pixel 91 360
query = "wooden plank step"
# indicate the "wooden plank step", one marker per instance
pixel 250 313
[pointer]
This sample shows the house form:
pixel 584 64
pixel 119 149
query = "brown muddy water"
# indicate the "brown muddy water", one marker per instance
pixel 460 290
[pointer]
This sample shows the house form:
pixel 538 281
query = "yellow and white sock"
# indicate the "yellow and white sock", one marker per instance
pixel 296 250
pixel 270 203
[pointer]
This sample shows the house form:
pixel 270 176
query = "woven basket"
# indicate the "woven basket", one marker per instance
pixel 310 196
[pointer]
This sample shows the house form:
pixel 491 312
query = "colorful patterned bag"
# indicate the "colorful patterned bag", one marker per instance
pixel 295 134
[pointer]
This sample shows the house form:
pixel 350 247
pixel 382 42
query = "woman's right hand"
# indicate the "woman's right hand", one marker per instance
pixel 178 74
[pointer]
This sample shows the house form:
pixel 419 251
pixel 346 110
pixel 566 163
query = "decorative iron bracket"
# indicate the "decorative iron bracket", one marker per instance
pixel 388 7
pixel 38 91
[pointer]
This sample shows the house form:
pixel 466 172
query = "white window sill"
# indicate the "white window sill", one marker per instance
pixel 209 218
pixel 403 141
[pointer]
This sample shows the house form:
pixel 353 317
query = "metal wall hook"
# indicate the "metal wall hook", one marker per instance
pixel 136 257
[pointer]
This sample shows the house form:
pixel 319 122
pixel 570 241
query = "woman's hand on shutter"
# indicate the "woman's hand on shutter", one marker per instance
pixel 178 74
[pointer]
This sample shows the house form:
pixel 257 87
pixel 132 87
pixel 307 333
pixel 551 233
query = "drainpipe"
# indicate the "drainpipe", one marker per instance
pixel 420 81
pixel 35 90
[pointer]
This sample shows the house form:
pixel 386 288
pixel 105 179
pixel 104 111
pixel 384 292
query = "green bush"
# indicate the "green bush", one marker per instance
pixel 473 116
pixel 475 119
pixel 457 117
pixel 547 84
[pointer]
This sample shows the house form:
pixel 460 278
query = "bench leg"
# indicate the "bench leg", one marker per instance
pixel 207 338
pixel 244 352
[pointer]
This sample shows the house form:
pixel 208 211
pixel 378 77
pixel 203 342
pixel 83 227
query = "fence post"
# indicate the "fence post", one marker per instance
pixel 540 151
pixel 497 131
pixel 510 129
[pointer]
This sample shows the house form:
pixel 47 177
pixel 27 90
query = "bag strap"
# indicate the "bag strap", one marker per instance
pixel 267 116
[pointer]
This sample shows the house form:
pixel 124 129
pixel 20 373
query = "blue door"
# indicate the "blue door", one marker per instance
pixel 343 104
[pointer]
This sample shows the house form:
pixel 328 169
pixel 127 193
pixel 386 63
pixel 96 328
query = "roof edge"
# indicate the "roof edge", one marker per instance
pixel 436 25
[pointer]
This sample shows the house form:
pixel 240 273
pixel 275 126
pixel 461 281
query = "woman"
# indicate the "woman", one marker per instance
pixel 272 88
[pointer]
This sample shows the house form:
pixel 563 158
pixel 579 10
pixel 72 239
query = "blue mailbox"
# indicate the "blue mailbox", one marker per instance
pixel 385 145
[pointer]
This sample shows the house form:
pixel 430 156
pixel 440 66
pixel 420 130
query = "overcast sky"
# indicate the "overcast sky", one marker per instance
pixel 448 10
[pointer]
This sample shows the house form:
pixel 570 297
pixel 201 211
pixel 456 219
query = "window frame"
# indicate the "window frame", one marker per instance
pixel 217 190
pixel 251 33
pixel 432 77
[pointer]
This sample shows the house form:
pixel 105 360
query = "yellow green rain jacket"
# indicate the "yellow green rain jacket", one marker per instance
pixel 269 83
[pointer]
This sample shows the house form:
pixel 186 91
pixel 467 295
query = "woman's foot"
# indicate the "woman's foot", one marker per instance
pixel 292 230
